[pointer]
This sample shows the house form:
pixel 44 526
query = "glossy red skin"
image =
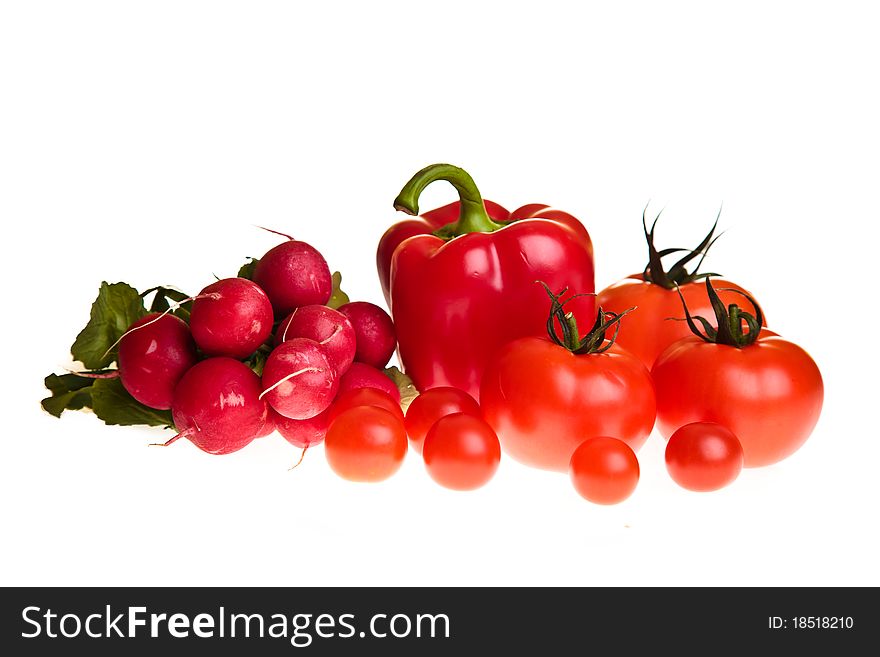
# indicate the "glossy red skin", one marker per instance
pixel 305 433
pixel 703 456
pixel 768 394
pixel 365 443
pixel 646 331
pixel 268 429
pixel 543 401
pixel 293 274
pixel 217 405
pixel 326 326
pixel 461 452
pixel 364 397
pixel 235 323
pixel 361 375
pixel 432 405
pixel 604 470
pixel 374 330
pixel 153 359
pixel 320 386
pixel 454 303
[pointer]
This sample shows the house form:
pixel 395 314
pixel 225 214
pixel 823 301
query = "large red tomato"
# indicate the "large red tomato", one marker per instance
pixel 766 390
pixel 651 326
pixel 649 329
pixel 543 400
pixel 546 396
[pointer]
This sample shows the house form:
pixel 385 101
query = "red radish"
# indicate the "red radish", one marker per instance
pixel 329 328
pixel 271 425
pixel 304 433
pixel 231 317
pixel 361 375
pixel 217 406
pixel 153 358
pixel 376 337
pixel 298 380
pixel 293 274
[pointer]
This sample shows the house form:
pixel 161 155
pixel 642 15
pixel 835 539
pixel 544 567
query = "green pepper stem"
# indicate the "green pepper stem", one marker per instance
pixel 472 218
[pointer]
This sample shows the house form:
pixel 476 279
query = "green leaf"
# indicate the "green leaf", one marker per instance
pixel 69 393
pixel 257 360
pixel 247 269
pixel 404 384
pixel 116 308
pixel 338 297
pixel 112 403
pixel 164 297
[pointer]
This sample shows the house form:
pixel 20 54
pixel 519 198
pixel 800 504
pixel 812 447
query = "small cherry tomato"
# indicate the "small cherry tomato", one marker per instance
pixel 364 397
pixel 365 443
pixel 604 470
pixel 433 404
pixel 461 452
pixel 704 456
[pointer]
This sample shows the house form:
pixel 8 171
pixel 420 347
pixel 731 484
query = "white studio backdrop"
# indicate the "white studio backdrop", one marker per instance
pixel 141 142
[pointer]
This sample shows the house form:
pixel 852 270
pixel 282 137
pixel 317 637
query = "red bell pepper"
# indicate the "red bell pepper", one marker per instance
pixel 461 281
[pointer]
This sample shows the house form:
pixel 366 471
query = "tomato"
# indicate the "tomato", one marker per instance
pixel 363 397
pixel 653 296
pixel 461 452
pixel 768 393
pixel 543 400
pixel 433 404
pixel 604 470
pixel 703 456
pixel 365 443
pixel 647 330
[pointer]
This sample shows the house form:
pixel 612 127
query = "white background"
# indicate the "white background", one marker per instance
pixel 141 141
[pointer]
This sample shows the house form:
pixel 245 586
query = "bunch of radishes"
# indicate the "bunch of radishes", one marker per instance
pixel 221 403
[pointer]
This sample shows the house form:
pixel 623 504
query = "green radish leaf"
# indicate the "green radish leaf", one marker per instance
pixel 69 393
pixel 116 308
pixel 112 403
pixel 163 298
pixel 337 297
pixel 404 384
pixel 257 360
pixel 247 269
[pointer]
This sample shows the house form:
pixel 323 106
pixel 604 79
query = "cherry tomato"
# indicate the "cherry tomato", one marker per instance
pixel 769 393
pixel 433 404
pixel 647 330
pixel 461 452
pixel 364 397
pixel 365 443
pixel 703 456
pixel 604 470
pixel 543 400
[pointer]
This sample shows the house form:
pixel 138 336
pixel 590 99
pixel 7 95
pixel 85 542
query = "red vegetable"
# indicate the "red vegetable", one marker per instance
pixel 374 331
pixel 766 390
pixel 604 470
pixel 365 443
pixel 298 380
pixel 649 329
pixel 361 375
pixel 703 456
pixel 293 274
pixel 459 291
pixel 231 317
pixel 217 406
pixel 544 397
pixel 154 353
pixel 432 405
pixel 461 452
pixel 329 328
